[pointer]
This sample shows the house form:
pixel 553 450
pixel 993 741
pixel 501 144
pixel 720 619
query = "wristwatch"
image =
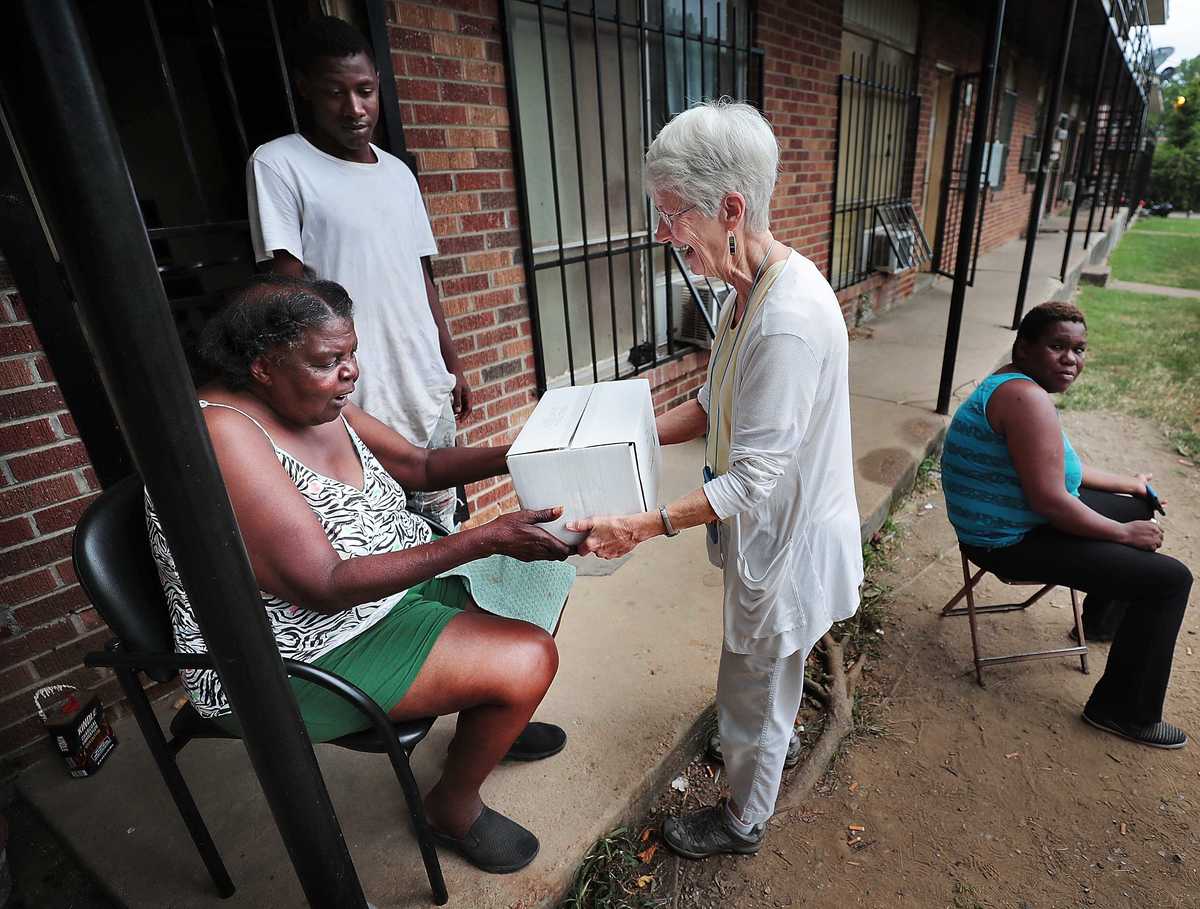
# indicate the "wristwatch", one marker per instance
pixel 668 527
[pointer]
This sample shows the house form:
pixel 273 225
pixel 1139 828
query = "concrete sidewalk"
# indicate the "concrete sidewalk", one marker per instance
pixel 639 654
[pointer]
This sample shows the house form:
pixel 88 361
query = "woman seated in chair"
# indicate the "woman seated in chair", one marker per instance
pixel 1026 508
pixel 353 582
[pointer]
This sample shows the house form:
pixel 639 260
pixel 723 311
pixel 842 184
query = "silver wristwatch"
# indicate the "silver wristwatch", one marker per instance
pixel 668 527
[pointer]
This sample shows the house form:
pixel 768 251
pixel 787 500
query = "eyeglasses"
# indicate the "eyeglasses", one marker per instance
pixel 669 218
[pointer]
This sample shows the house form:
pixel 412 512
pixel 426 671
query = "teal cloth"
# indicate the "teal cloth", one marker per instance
pixel 984 497
pixel 533 592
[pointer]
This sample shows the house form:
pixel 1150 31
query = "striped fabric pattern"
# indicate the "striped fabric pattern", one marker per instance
pixel 984 499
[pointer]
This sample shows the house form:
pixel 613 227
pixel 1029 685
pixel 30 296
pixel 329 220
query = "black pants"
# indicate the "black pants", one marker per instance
pixel 1155 587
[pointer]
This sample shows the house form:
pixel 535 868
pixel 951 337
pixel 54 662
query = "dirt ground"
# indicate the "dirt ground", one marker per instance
pixel 988 797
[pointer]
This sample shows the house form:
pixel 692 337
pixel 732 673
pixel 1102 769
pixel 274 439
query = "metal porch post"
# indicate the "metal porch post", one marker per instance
pixel 1087 153
pixel 1119 141
pixel 61 119
pixel 970 203
pixel 1048 128
pixel 1098 171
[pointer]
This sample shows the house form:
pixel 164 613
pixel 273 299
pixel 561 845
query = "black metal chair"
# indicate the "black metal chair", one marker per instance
pixel 115 567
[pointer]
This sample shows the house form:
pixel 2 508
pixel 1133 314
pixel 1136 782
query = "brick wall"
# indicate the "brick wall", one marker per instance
pixel 450 76
pixel 46 482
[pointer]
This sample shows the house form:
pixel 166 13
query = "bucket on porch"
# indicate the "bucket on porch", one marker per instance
pixel 78 729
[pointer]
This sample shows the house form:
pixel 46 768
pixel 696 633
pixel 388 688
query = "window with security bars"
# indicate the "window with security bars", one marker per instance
pixel 874 225
pixel 592 82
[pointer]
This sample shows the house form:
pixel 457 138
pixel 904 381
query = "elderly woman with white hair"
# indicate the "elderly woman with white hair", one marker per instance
pixel 778 491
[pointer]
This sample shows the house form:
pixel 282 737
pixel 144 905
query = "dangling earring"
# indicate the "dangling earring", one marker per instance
pixel 732 246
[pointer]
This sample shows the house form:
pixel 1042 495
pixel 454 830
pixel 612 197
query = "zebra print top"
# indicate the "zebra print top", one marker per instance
pixel 357 522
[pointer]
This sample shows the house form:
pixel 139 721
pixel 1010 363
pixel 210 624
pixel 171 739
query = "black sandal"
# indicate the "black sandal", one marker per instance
pixel 537 741
pixel 495 844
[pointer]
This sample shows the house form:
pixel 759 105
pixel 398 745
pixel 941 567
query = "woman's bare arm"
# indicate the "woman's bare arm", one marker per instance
pixel 1024 415
pixel 682 424
pixel 292 557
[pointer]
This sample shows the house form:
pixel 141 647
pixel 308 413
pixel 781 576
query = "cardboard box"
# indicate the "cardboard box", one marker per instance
pixel 592 449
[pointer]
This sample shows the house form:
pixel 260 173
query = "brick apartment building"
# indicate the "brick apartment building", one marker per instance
pixel 527 136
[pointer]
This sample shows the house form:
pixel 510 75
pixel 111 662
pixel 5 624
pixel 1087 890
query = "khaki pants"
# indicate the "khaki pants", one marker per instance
pixel 757 702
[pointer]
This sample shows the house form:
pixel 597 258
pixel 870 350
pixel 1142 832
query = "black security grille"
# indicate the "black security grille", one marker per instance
pixel 878 115
pixel 590 84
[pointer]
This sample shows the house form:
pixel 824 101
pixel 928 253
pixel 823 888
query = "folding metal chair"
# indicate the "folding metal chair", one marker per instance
pixel 970 581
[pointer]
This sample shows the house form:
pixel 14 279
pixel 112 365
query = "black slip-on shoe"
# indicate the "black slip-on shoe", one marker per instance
pixel 537 741
pixel 794 752
pixel 1156 735
pixel 495 844
pixel 702 833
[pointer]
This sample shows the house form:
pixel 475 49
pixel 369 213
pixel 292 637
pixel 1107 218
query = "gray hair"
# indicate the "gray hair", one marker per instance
pixel 712 149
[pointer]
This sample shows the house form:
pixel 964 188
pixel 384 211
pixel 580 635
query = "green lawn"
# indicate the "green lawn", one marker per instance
pixel 1153 257
pixel 1148 225
pixel 1143 359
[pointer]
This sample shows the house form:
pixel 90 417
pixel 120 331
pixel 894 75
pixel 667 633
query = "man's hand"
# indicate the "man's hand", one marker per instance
pixel 460 395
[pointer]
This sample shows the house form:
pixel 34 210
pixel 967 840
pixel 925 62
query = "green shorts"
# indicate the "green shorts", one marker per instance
pixel 383 661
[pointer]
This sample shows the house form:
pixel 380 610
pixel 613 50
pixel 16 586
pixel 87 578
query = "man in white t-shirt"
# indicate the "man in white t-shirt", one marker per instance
pixel 327 201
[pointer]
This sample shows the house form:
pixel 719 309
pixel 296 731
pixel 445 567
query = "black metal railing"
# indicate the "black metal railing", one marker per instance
pixel 590 83
pixel 878 115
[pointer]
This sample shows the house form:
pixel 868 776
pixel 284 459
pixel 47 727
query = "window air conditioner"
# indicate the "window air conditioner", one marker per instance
pixel 878 254
pixel 1068 191
pixel 689 324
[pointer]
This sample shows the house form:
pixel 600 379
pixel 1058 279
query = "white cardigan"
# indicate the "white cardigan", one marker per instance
pixel 789 532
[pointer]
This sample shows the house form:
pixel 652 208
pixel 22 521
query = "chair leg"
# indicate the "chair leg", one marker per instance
pixel 416 811
pixel 969 586
pixel 175 782
pixel 949 609
pixel 1078 610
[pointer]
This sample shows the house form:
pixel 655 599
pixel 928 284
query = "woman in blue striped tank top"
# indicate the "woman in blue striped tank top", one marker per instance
pixel 1025 507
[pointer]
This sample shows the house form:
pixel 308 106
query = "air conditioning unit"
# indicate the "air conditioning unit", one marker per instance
pixel 1068 191
pixel 878 254
pixel 689 324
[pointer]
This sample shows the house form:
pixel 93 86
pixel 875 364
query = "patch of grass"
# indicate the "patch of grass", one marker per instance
pixel 1142 360
pixel 1158 258
pixel 1168 225
pixel 608 877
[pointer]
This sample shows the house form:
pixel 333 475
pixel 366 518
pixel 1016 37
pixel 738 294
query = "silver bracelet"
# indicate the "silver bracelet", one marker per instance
pixel 668 527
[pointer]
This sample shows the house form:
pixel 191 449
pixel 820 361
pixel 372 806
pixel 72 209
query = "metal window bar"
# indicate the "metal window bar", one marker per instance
pixel 878 115
pixel 632 324
pixel 955 176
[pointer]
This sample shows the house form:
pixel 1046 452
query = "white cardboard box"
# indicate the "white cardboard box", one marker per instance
pixel 592 449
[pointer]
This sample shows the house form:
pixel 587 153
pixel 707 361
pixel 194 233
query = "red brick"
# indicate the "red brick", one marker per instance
pixel 447 266
pixel 470 323
pixel 15 530
pixel 38 553
pixel 433 68
pixel 496 335
pixel 18 339
pixel 49 609
pixel 27 587
pixel 464 285
pixel 30 434
pixel 48 461
pixel 16 678
pixel 503 238
pixel 478 180
pixel 465 93
pixel 456 245
pixel 504 199
pixel 424 138
pixel 440 114
pixel 17 404
pixel 418 90
pixel 15 373
pixel 436 183
pixel 62 516
pixel 32 643
pixel 70 656
pixel 66 571
pixel 407 39
pixel 22 734
pixel 483 221
pixel 487 430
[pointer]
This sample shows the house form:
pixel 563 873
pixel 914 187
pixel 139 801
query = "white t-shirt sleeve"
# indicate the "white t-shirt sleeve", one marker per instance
pixel 274 211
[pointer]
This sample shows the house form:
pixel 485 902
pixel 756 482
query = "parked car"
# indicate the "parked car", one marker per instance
pixel 1161 209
